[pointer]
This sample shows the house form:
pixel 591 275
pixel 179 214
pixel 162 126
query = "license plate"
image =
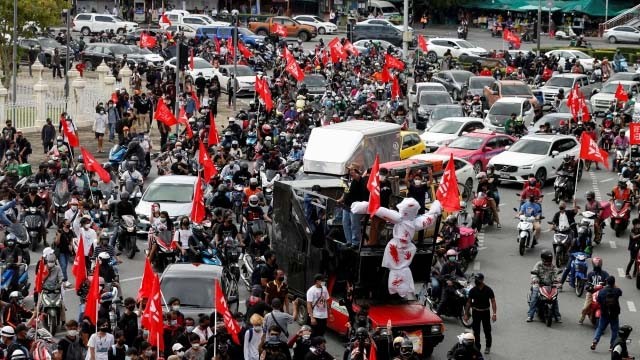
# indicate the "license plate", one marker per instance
pixel 416 339
pixel 505 175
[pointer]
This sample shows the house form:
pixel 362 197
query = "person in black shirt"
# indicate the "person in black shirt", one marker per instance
pixel 418 189
pixel 227 228
pixel 481 300
pixel 357 191
pixel 119 349
pixel 63 246
pixel 385 199
pixel 70 345
pixel 123 207
pixel 129 321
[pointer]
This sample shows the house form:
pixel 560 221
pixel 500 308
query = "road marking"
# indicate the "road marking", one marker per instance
pixel 482 248
pixel 131 279
pixel 545 231
pixel 621 272
pixel 476 266
pixel 503 204
pixel 607 180
pixel 550 193
pixel 594 185
pixel 613 244
pixel 631 306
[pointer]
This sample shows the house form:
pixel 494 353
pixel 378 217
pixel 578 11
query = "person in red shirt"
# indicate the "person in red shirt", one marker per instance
pixel 486 72
pixel 531 188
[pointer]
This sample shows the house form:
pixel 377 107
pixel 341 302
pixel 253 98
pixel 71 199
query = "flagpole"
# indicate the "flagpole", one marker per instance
pixel 37 315
pixel 215 320
pixel 166 306
pixel 158 343
pixel 97 310
pixel 575 185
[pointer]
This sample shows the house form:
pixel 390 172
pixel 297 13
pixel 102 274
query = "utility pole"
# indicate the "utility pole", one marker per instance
pixel 66 63
pixel 405 35
pixel 539 27
pixel 235 60
pixel 15 62
pixel 178 69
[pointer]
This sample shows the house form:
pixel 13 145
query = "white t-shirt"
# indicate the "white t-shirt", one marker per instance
pixel 101 346
pixel 563 221
pixel 318 297
pixel 182 236
pixel 204 334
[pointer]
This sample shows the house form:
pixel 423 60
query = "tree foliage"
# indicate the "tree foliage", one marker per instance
pixel 41 13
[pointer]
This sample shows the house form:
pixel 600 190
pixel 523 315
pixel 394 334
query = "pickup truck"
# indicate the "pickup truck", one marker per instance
pixel 567 82
pixel 294 28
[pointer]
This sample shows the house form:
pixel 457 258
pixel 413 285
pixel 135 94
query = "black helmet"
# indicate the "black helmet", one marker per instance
pixel 244 166
pixel 124 196
pixel 622 184
pixel 561 91
pixel 361 333
pixel 134 158
pixel 625 331
pixel 406 348
pixel 33 187
pixel 64 172
pixel 222 188
pixel 80 159
pixel 546 255
pixel 590 195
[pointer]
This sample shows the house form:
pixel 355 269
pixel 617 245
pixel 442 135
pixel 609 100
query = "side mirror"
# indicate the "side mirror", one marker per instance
pixel 595 91
pixel 555 153
pixel 485 111
pixel 507 147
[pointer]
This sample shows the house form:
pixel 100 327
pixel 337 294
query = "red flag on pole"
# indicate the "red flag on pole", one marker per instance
pixel 70 134
pixel 422 43
pixel 448 193
pixel 147 281
pixel 79 268
pixel 147 41
pixel 266 93
pixel 244 50
pixel 182 119
pixel 145 319
pixel 114 98
pixel 213 131
pixel 634 133
pixel 91 164
pixel 395 88
pixel 91 307
pixel 589 150
pixel 192 64
pixel 156 328
pixel 292 66
pixel 373 185
pixel 164 114
pixel 197 206
pixel 42 274
pixel 222 308
pixel 207 163
pixel 350 48
pixel 279 29
pixel 393 63
pixel 165 19
pixel 620 94
pixel 216 41
pixel 385 76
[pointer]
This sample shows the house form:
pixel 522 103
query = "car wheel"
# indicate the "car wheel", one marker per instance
pixel 85 31
pixel 541 175
pixel 612 39
pixel 88 65
pixel 262 32
pixel 432 56
pixel 303 36
pixel 477 167
pixel 322 31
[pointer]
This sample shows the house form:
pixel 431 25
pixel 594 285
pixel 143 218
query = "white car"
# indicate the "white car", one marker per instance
pixel 438 46
pixel 465 174
pixel 562 54
pixel 174 193
pixel 323 27
pixel 200 66
pixel 448 129
pixel 384 22
pixel 534 154
pixel 502 109
pixel 417 88
pixel 622 34
pixel 188 31
pixel 603 99
pixel 89 24
pixel 152 59
pixel 245 75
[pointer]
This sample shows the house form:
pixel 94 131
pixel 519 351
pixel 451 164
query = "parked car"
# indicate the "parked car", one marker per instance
pixel 629 76
pixel 534 154
pixel 193 20
pixel 449 129
pixel 477 147
pixel 564 108
pixel 510 88
pixel 464 172
pixel 45 47
pixel 93 23
pixel 363 47
pixel 188 31
pixel 603 100
pixel 455 81
pixel 152 60
pixel 384 22
pixel 316 84
pixel 417 88
pixel 622 34
pixel 438 46
pixel 245 75
pixel 200 66
pixel 377 32
pixel 476 84
pixel 227 32
pixel 174 193
pixel 562 54
pixel 133 36
pixel 411 144
pixel 95 53
pixel 442 111
pixel 294 29
pixel 322 26
pixel 428 101
pixel 502 109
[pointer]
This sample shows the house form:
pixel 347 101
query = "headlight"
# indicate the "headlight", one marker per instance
pixel 436 329
pixel 526 167
pixel 442 142
pixel 422 111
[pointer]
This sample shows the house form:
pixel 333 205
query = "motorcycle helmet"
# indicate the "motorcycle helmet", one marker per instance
pixel 80 159
pixel 406 348
pixel 590 195
pixel 33 188
pixel 10 240
pixel 362 334
pixel 104 256
pixel 18 354
pixel 254 201
pixel 131 165
pixel 468 339
pixel 266 128
pixel 10 154
pixel 622 184
pixel 15 295
pixel 561 91
pixel 481 175
pixel 597 262
pixel 51 260
pixel 244 166
pixel 124 196
pixel 451 220
pixel 222 188
pixel 452 255
pixel 568 157
pixel 624 332
pixel 134 159
pixel 546 256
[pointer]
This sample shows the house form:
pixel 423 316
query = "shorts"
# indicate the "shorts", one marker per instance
pixel 99 135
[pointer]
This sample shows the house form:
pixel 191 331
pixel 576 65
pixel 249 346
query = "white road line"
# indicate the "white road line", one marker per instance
pixel 503 204
pixel 631 306
pixel 550 193
pixel 476 266
pixel 607 180
pixel 594 185
pixel 613 244
pixel 621 272
pixel 482 248
pixel 545 231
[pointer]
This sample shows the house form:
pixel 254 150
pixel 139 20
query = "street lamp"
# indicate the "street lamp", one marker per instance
pixel 539 27
pixel 234 17
pixel 14 68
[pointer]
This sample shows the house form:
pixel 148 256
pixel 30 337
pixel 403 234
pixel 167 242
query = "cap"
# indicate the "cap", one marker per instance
pixel 7 331
pixel 177 347
pixel 256 290
pixel 480 276
pixel 276 303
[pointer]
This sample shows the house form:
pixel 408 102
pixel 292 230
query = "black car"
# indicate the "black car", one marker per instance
pixel 95 53
pixel 455 81
pixel 133 36
pixel 377 32
pixel 316 85
pixel 45 47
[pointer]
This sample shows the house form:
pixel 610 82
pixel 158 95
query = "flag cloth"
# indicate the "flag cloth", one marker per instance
pixel 43 272
pixel 222 308
pixel 146 314
pixel 164 114
pixel 72 137
pixel 448 193
pixel 373 351
pixel 589 150
pixel 114 98
pixel 147 281
pixel 634 133
pixel 207 163
pixel 147 41
pixel 583 112
pixel 373 185
pixel 79 268
pixel 393 63
pixel 182 119
pixel 91 307
pixel 213 131
pixel 279 29
pixel 292 66
pixel 422 43
pixel 510 36
pixel 385 76
pixel 165 19
pixel 337 51
pixel 91 164
pixel 156 320
pixel 263 91
pixel 350 48
pixel 197 206
pixel 395 87
pixel 195 100
pixel 244 50
pixel 620 94
pixel 192 64
pixel 216 41
pixel 169 36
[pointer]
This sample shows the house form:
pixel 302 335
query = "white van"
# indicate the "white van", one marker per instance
pixel 387 9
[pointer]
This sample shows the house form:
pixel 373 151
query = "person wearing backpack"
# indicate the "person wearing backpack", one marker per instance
pixel 7 333
pixel 70 345
pixel 609 300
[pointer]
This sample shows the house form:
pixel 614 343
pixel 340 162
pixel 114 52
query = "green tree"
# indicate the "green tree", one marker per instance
pixel 41 13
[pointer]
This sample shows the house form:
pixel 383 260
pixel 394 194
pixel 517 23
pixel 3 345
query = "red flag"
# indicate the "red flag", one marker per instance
pixel 222 308
pixel 393 63
pixel 114 98
pixel 589 150
pixel 42 274
pixel 634 133
pixel 350 48
pixel 259 86
pixel 373 185
pixel 337 51
pixel 422 43
pixel 448 193
pixel 213 131
pixel 620 94
pixel 155 318
pixel 384 74
pixel 266 93
pixel 169 36
pixel 244 50
pixel 207 163
pixel 91 164
pixel 164 115
pixel 510 36
pixel 395 88
pixel 79 268
pixel 279 29
pixel 216 41
pixel 373 351
pixel 165 19
pixel 584 110
pixel 505 34
pixel 91 307
pixel 292 66
pixel 147 41
pixel 147 281
pixel 182 119
pixel 192 64
pixel 195 99
pixel 197 206
pixel 72 137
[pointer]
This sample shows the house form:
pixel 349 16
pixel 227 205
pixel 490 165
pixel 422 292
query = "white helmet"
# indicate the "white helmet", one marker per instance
pixel 18 354
pixel 14 294
pixel 104 256
pixel 254 200
pixel 468 339
pixel 7 331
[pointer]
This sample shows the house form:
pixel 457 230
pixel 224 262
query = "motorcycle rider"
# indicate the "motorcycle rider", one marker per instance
pixel 450 269
pixel 10 166
pixel 531 188
pixel 570 165
pixel 406 351
pixel 543 274
pixel 621 192
pixel 594 206
pixel 595 277
pixel 620 143
pixel 121 208
pixel 532 208
pixel 14 312
pixel 466 349
pixel 450 232
pixel 54 279
pixel 12 256
pixel 243 175
pixel 489 185
pixel 131 177
pixel 620 351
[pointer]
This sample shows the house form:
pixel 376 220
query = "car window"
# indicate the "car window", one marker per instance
pixel 224 32
pixel 173 17
pixel 407 142
pixel 104 19
pixel 287 22
pixel 451 44
pixel 472 126
pixel 304 18
pixel 526 106
pixel 83 17
pixel 439 42
pixel 457 164
pixel 492 143
pixel 504 141
pixel 561 145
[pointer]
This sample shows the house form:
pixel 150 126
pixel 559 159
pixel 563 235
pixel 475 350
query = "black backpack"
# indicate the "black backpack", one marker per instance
pixel 257 274
pixel 611 305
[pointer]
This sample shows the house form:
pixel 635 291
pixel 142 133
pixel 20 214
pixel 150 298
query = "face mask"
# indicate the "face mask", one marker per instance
pixel 281 279
pixel 74 207
pixel 93 188
pixel 180 353
pixel 417 182
pixel 257 329
pixel 145 334
pixel 452 258
pixel 163 220
pixel 72 333
pixel 195 346
pixel 104 329
pixel 148 353
pixel 87 226
pixel 189 329
pixel 175 307
pixel 562 208
pixel 78 174
pixel 306 336
pixel 477 282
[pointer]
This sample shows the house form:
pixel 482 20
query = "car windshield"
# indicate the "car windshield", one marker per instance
pixel 560 82
pixel 314 81
pixel 139 50
pixel 628 76
pixel 580 55
pixel 479 82
pixel 242 71
pixel 501 108
pixel 446 127
pixel 527 146
pixel 49 43
pixel 192 292
pixel 119 49
pixel 177 193
pixel 610 88
pixel 465 44
pixel 118 18
pixel 202 64
pixel 461 77
pixel 435 98
pixel 516 90
pixel 467 143
pixel 441 112
pixel 389 9
pixel 245 31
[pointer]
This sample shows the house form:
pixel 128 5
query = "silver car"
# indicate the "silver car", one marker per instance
pixel 622 34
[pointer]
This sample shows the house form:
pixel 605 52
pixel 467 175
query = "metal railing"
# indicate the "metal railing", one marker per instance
pixel 25 114
pixel 620 19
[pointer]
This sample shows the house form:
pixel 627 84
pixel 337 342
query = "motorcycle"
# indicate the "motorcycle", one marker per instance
pixel 127 235
pixel 116 154
pixel 525 233
pixel 51 308
pixel 546 300
pixel 249 264
pixel 620 213
pixel 580 271
pixel 618 163
pixel 482 213
pixel 586 229
pixel 467 247
pixel 562 187
pixel 455 307
pixel 23 240
pixel 34 223
pixel 252 139
pixel 594 311
pixel 620 65
pixel 237 199
pixel 60 204
pixel 562 240
pixel 6 277
pixel 166 250
pixel 606 140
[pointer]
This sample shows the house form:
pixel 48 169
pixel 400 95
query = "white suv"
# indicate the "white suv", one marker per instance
pixel 438 46
pixel 88 24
